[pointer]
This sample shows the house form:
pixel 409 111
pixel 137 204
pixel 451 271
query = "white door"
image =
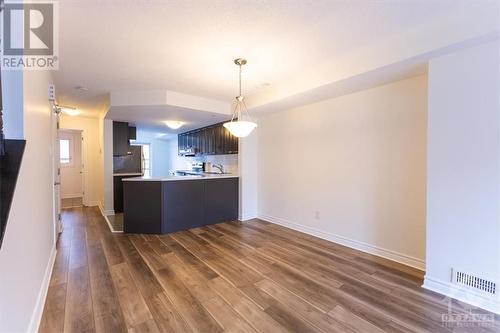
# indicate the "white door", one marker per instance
pixel 57 178
pixel 70 145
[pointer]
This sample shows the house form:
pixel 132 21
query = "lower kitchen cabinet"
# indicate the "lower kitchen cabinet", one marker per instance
pixel 118 192
pixel 159 207
pixel 221 203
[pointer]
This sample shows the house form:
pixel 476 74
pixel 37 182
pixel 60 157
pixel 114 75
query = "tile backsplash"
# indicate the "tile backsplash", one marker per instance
pixel 230 162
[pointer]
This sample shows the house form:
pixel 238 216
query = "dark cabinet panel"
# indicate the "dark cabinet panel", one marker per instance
pixel 132 133
pixel 221 200
pixel 219 141
pixel 182 141
pixel 120 138
pixel 118 192
pixel 230 142
pixel 208 141
pixel 143 207
pixel 183 205
pixel 198 142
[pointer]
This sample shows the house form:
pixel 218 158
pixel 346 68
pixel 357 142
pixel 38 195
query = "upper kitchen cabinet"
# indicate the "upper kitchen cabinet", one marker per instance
pixel 120 138
pixel 122 133
pixel 230 142
pixel 210 140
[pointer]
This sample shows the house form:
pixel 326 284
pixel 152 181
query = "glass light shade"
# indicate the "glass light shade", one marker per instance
pixel 174 124
pixel 240 128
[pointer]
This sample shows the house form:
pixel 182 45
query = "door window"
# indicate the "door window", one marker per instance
pixel 65 152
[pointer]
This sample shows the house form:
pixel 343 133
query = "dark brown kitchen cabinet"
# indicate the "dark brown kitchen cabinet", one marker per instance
pixel 230 142
pixel 210 140
pixel 122 133
pixel 219 140
pixel 120 138
pixel 159 207
pixel 182 141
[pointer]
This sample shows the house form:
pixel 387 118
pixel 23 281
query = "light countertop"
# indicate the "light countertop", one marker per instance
pixel 175 178
pixel 128 174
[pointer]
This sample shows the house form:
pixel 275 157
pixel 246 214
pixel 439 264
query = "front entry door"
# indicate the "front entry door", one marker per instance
pixel 70 142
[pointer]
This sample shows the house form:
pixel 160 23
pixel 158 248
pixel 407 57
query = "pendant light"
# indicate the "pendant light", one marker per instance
pixel 241 124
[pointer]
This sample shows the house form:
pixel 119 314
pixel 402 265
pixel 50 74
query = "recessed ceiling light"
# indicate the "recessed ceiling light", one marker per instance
pixel 174 124
pixel 70 111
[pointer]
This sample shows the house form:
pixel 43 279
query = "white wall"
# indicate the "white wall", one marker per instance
pixel 350 169
pixel 28 246
pixel 248 171
pixel 92 155
pixel 463 229
pixel 230 161
pixel 107 138
pixel 159 150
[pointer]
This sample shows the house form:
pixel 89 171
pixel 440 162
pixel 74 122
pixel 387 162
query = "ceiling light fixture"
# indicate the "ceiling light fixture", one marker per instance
pixel 174 124
pixel 241 124
pixel 70 111
pixel 82 88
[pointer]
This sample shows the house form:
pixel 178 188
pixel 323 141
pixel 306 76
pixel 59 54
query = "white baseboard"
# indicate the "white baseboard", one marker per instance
pixel 462 294
pixel 103 213
pixel 93 203
pixel 72 196
pixel 247 216
pixel 354 244
pixel 36 317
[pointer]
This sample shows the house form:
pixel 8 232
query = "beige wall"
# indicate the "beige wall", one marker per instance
pixel 351 169
pixel 93 184
pixel 28 247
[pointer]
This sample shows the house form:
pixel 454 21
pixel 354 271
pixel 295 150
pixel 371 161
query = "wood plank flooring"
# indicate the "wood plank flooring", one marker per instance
pixel 231 277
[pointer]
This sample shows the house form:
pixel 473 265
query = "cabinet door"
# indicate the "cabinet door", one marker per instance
pixel 225 139
pixel 221 200
pixel 219 140
pixel 230 142
pixel 205 141
pixel 198 142
pixel 233 144
pixel 183 205
pixel 120 138
pixel 182 141
pixel 210 140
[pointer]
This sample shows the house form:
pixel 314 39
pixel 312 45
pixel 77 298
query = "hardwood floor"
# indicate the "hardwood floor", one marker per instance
pixel 233 277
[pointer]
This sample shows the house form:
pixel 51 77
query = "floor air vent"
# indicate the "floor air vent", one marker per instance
pixel 474 282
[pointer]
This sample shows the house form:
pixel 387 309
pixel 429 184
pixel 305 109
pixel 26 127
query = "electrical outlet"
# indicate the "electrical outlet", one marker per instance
pixel 316 215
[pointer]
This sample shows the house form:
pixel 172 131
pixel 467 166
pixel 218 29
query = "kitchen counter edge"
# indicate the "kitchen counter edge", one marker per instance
pixel 177 178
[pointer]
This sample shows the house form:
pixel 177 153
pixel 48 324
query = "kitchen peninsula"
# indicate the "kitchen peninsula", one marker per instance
pixel 169 204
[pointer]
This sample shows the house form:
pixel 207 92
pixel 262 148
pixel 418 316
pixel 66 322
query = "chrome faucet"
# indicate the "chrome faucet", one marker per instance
pixel 219 166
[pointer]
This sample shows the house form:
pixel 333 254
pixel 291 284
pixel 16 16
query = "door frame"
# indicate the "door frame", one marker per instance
pixel 83 160
pixel 55 121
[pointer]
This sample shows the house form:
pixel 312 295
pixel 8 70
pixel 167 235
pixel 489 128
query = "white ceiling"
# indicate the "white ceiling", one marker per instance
pixel 188 46
pixel 151 117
